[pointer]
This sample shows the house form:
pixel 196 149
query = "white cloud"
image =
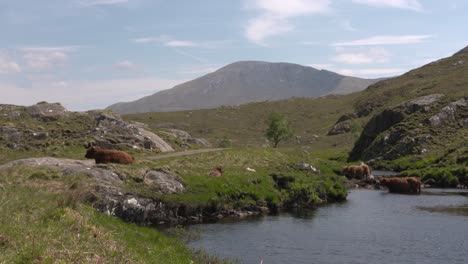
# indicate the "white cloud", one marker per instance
pixel 179 43
pixel 384 72
pixel 386 40
pixel 374 55
pixel 8 66
pixel 43 58
pixel 101 2
pixel 414 5
pixel 126 65
pixel 84 95
pixel 276 14
pixel 166 41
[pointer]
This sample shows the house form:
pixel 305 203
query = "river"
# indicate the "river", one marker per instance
pixel 371 227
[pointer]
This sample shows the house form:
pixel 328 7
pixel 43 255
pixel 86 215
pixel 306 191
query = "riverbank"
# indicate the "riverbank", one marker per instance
pixel 370 225
pixel 47 195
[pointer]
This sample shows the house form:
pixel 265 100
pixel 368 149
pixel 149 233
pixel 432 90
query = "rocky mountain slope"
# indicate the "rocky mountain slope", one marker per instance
pixel 245 82
pixel 51 128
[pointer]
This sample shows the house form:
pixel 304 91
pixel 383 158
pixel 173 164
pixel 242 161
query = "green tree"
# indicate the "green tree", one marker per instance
pixel 278 129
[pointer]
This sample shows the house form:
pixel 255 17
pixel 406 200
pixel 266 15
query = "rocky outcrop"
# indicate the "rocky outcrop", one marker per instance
pixel 448 114
pixel 186 138
pixel 395 142
pixel 47 112
pixel 112 132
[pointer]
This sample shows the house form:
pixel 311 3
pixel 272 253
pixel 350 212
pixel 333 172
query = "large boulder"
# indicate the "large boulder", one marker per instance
pixel 47 112
pixel 187 138
pixel 112 132
pixel 448 114
pixel 164 180
pixel 340 128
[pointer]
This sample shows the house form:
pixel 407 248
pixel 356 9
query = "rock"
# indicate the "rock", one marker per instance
pixel 307 167
pixel 179 133
pixel 47 112
pixel 447 114
pixel 112 132
pixel 340 128
pixel 422 103
pixel 11 134
pixel 199 141
pixel 40 135
pixel 165 181
pixel 187 138
pixel 366 148
pixel 346 117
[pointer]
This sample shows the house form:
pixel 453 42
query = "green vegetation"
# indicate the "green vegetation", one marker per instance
pixel 240 189
pixel 44 220
pixel 278 129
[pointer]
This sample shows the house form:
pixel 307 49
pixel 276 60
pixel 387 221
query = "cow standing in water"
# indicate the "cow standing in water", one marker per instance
pixel 357 171
pixel 408 185
pixel 108 155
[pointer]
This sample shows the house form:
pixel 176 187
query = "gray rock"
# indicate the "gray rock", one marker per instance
pixel 199 141
pixel 40 135
pixel 447 113
pixel 340 128
pixel 187 138
pixel 307 167
pixel 165 181
pixel 112 132
pixel 46 111
pixel 11 134
pixel 422 103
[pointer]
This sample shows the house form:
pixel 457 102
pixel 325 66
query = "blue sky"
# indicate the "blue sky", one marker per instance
pixel 92 53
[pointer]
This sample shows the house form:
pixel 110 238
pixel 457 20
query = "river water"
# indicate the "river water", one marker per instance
pixel 371 227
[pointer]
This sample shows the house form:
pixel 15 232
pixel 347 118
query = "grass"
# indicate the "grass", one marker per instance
pixel 238 188
pixel 44 220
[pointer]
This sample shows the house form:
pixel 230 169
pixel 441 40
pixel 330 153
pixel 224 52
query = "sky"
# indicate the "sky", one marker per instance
pixel 88 54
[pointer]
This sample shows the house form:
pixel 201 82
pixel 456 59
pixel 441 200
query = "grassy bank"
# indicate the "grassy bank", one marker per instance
pixel 238 188
pixel 43 220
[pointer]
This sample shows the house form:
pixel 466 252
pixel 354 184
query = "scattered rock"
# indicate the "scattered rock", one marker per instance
pixel 40 135
pixel 422 103
pixel 166 181
pixel 307 167
pixel 187 138
pixel 47 112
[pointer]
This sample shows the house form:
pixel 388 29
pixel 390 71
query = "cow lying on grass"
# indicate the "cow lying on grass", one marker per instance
pixel 408 185
pixel 108 155
pixel 217 172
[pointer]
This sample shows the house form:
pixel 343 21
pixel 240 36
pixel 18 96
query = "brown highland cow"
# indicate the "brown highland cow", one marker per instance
pixel 108 156
pixel 408 185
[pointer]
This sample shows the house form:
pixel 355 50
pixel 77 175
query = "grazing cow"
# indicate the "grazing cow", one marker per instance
pixel 217 172
pixel 108 155
pixel 357 171
pixel 408 185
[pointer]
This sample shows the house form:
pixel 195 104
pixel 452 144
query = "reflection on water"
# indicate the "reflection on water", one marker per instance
pixel 372 227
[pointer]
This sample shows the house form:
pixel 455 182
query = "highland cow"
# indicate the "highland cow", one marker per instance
pixel 217 172
pixel 108 156
pixel 357 171
pixel 408 185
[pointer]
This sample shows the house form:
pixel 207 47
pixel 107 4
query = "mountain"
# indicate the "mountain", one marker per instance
pixel 244 82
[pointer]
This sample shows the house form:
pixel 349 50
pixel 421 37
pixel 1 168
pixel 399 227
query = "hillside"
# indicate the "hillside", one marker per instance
pixel 421 115
pixel 245 82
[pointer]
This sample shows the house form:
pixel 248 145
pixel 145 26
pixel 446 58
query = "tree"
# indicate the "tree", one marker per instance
pixel 278 129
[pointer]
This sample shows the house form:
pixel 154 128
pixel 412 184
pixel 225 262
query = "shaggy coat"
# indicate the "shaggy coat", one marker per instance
pixel 408 185
pixel 217 172
pixel 109 156
pixel 357 171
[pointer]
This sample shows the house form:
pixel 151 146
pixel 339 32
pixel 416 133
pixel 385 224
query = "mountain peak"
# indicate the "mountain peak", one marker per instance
pixel 245 82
